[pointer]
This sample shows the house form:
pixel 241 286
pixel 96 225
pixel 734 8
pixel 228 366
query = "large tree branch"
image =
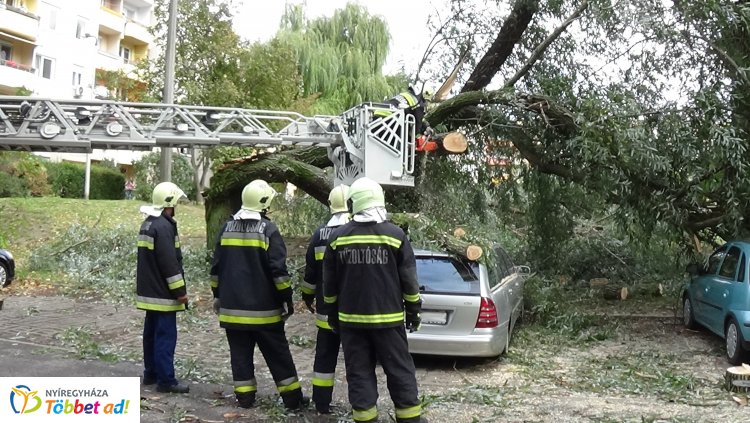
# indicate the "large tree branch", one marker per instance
pixel 541 48
pixel 301 167
pixel 510 34
pixel 554 114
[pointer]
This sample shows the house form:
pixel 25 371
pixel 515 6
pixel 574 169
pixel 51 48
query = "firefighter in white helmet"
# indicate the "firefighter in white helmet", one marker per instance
pixel 327 345
pixel 370 285
pixel 160 287
pixel 253 296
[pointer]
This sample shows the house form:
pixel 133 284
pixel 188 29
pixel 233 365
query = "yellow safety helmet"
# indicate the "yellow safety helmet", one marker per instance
pixel 337 199
pixel 166 194
pixel 257 196
pixel 364 194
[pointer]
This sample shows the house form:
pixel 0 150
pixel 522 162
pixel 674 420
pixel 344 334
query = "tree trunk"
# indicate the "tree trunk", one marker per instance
pixel 297 166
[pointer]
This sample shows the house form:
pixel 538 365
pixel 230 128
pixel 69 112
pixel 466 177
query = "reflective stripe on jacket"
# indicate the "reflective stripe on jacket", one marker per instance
pixel 313 281
pixel 249 274
pixel 159 273
pixel 369 275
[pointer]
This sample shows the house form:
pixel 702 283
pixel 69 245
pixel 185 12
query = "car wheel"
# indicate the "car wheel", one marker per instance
pixel 688 317
pixel 3 274
pixel 733 337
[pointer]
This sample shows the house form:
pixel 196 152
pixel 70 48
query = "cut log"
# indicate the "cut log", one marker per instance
pixel 614 292
pixel 454 143
pixel 455 245
pixel 737 379
pixel 463 248
pixel 597 282
pixel 647 290
pixel 459 232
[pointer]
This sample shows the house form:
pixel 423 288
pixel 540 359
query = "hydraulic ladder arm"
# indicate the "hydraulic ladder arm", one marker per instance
pixel 358 142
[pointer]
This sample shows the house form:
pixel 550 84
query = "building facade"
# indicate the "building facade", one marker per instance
pixel 65 49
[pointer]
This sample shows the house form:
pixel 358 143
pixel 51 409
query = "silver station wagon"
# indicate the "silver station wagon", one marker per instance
pixel 468 309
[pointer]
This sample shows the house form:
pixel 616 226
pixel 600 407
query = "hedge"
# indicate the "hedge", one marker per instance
pixel 67 181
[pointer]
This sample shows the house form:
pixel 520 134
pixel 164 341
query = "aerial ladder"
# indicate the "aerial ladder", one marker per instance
pixel 359 141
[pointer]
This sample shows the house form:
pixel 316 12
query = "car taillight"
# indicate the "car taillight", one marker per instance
pixel 487 314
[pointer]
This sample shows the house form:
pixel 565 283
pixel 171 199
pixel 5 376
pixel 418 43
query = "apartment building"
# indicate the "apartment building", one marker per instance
pixel 61 48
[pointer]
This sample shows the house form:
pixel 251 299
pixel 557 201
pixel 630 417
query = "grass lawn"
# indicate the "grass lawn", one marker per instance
pixel 26 223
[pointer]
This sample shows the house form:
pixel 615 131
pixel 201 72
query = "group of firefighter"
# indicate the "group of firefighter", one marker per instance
pixel 360 282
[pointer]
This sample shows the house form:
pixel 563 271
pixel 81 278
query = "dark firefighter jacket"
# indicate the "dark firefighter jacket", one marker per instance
pixel 369 275
pixel 159 279
pixel 313 283
pixel 249 274
pixel 414 106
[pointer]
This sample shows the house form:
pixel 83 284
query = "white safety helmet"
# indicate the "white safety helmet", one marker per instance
pixel 166 194
pixel 337 199
pixel 257 196
pixel 365 193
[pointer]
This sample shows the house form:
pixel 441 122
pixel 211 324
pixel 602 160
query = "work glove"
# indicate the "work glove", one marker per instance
pixel 289 309
pixel 217 305
pixel 333 322
pixel 413 321
pixel 429 132
pixel 309 301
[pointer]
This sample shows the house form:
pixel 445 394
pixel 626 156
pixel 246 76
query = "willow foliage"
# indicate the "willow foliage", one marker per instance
pixel 340 57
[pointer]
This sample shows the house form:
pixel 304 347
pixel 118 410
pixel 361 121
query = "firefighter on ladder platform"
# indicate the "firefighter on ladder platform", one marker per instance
pixel 328 342
pixel 251 287
pixel 415 104
pixel 369 280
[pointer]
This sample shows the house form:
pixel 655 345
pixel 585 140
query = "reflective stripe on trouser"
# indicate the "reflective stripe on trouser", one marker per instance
pixel 273 345
pixel 362 347
pixel 245 386
pixel 326 355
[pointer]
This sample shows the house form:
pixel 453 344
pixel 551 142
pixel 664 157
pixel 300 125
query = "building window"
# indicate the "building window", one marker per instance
pixel 44 66
pixel 52 19
pixel 77 78
pixel 81 29
pixel 6 52
pixel 125 54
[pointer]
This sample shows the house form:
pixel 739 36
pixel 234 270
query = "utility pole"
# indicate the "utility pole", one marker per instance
pixel 166 152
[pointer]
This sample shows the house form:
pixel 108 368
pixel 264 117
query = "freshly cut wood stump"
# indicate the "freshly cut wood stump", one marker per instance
pixel 455 143
pixel 459 232
pixel 737 379
pixel 615 293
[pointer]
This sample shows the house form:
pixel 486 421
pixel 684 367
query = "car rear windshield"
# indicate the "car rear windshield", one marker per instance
pixel 445 275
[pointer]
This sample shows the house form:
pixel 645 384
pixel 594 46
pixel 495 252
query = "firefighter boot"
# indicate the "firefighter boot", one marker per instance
pixel 294 400
pixel 246 399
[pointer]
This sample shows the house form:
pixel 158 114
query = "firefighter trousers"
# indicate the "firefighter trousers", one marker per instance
pixel 387 346
pixel 326 355
pixel 275 349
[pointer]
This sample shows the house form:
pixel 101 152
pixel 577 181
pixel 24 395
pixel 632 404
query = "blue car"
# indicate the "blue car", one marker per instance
pixel 718 298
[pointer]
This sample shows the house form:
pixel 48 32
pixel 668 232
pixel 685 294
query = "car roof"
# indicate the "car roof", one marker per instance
pixel 427 253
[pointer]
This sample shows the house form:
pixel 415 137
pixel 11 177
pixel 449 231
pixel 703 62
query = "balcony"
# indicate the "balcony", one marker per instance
pixel 19 22
pixel 138 32
pixel 108 61
pixel 14 76
pixel 112 20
